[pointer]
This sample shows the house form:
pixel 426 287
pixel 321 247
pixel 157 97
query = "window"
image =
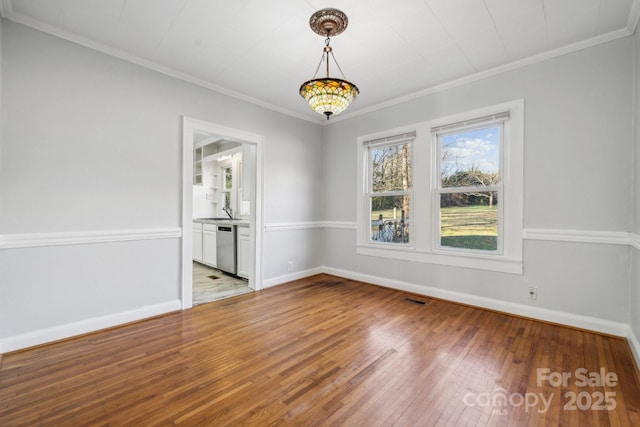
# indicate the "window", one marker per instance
pixel 389 192
pixel 469 191
pixel 227 181
pixel 446 191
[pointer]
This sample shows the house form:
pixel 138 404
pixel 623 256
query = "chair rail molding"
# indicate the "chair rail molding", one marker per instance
pixel 579 236
pixel 32 240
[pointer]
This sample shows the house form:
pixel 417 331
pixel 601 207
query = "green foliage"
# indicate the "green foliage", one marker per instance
pixel 484 243
pixel 382 203
pixel 474 179
pixel 469 227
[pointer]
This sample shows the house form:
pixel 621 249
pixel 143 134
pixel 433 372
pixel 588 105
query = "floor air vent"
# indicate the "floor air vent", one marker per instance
pixel 414 301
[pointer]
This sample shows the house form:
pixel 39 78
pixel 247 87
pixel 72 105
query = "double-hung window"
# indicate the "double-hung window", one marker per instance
pixel 446 191
pixel 469 190
pixel 389 195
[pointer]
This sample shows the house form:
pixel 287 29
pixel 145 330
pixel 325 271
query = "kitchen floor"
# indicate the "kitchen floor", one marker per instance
pixel 210 284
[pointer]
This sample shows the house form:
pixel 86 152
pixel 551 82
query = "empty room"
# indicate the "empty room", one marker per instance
pixel 411 213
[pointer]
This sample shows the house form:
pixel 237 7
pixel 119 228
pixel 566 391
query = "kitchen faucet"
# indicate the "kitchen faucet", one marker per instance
pixel 228 212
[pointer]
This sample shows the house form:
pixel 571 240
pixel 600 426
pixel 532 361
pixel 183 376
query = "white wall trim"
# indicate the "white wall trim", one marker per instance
pixel 54 333
pixel 634 344
pixel 550 234
pixel 32 240
pixel 293 226
pixel 7 12
pixel 545 56
pixel 590 323
pixel 288 226
pixel 340 225
pixel 190 126
pixel 275 281
pixel 579 236
pixel 576 320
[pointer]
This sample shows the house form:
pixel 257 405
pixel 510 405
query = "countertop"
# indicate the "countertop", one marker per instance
pixel 223 221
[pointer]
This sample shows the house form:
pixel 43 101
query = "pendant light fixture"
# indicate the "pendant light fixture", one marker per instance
pixel 328 95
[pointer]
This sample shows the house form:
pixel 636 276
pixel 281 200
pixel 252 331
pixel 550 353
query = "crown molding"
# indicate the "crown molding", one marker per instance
pixel 6 10
pixel 545 56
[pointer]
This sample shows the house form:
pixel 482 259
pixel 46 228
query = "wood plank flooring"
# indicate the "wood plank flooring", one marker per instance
pixel 324 351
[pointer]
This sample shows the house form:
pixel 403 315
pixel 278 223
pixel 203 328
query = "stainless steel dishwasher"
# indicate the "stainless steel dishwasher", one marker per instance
pixel 226 248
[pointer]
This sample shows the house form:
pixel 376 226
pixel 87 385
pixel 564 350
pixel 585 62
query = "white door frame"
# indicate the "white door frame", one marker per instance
pixel 189 128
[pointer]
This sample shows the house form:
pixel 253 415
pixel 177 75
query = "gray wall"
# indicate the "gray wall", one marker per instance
pixel 634 292
pixel 91 143
pixel 578 163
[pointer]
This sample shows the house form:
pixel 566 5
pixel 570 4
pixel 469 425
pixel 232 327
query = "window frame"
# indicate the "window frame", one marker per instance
pixel 406 138
pixel 439 190
pixel 424 222
pixel 223 185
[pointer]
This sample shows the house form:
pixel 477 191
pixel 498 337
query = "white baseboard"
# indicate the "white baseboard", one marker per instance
pixel 595 324
pixel 275 281
pixel 42 336
pixel 46 335
pixel 579 321
pixel 634 343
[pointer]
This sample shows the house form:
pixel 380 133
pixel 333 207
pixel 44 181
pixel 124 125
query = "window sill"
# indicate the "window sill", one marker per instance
pixel 496 263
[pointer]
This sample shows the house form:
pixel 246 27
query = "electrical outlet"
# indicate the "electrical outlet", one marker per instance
pixel 532 293
pixel 290 266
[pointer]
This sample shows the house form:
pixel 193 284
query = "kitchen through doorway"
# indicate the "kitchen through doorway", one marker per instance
pixel 221 245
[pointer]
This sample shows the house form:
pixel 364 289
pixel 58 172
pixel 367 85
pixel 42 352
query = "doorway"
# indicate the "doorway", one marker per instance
pixel 249 204
pixel 211 284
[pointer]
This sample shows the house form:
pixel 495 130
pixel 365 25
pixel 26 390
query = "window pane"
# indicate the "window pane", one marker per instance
pixel 227 178
pixel 391 167
pixel 469 220
pixel 470 158
pixel 227 200
pixel 390 219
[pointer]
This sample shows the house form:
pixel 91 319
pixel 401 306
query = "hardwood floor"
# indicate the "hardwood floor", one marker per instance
pixel 325 351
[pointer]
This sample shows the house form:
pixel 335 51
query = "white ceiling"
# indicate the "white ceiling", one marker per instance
pixel 261 50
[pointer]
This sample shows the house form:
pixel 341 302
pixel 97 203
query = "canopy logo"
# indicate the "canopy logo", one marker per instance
pixel 501 400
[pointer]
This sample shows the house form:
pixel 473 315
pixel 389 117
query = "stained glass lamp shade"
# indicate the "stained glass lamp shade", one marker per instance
pixel 328 95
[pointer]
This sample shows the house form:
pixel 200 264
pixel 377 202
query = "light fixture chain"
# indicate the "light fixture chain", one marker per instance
pixel 328 95
pixel 318 67
pixel 338 65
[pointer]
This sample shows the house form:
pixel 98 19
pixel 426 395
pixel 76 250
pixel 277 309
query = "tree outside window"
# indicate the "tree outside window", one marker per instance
pixel 390 191
pixel 470 189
